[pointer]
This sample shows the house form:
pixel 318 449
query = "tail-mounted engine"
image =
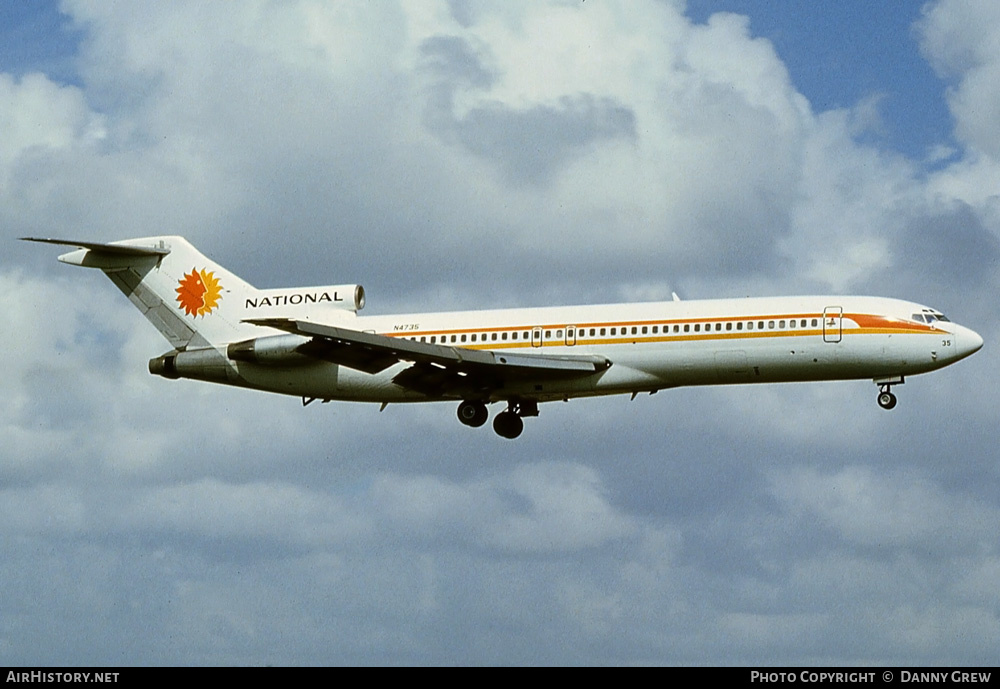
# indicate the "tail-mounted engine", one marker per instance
pixel 271 350
pixel 267 303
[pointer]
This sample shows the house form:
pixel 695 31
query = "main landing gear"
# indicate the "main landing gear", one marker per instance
pixel 472 413
pixel 886 399
pixel 507 424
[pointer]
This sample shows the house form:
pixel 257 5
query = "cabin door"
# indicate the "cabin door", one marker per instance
pixel 833 317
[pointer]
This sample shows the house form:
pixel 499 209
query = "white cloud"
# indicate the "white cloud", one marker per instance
pixel 960 38
pixel 547 508
pixel 888 511
pixel 37 114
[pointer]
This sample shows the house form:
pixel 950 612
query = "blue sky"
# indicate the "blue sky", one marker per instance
pixel 37 37
pixel 840 53
pixel 462 155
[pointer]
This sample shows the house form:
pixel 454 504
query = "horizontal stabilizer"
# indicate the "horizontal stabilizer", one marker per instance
pixel 113 249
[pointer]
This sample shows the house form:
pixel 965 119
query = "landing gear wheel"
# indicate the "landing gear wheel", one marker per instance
pixel 886 399
pixel 472 413
pixel 508 425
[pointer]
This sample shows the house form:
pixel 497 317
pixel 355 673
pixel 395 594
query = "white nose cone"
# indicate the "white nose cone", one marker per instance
pixel 969 342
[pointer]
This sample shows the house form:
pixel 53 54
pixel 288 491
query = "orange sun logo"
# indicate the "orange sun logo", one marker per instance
pixel 199 292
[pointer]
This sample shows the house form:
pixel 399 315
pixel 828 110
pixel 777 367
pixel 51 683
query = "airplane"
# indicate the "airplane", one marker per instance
pixel 310 342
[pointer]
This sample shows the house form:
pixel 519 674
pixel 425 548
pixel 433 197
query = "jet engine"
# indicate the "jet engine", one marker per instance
pixel 271 350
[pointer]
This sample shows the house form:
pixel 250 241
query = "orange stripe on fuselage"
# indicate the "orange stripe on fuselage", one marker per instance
pixel 867 324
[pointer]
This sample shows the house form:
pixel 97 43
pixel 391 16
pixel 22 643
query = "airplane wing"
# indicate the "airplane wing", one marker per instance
pixel 436 369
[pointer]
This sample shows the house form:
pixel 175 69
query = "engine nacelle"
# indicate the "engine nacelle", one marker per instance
pixel 200 364
pixel 273 302
pixel 271 350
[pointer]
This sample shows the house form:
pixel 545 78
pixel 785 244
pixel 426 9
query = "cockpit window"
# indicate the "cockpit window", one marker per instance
pixel 929 316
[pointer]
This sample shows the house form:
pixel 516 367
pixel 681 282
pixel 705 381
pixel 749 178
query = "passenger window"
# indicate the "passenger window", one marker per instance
pixel 687 327
pixel 781 324
pixel 729 326
pixel 770 325
pixel 643 330
pixel 473 337
pixel 454 338
pixel 503 336
pixel 548 334
pixel 697 327
pixel 739 326
pixel 559 334
pixel 602 332
pixel 463 338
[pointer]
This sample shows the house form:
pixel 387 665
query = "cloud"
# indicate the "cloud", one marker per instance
pixel 888 512
pixel 536 509
pixel 959 38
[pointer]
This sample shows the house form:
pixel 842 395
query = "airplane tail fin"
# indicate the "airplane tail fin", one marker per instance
pixel 193 301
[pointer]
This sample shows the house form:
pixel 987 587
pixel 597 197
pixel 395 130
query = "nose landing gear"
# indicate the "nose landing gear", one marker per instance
pixel 886 399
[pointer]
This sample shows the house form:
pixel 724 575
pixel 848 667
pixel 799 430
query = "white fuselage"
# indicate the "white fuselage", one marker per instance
pixel 657 345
